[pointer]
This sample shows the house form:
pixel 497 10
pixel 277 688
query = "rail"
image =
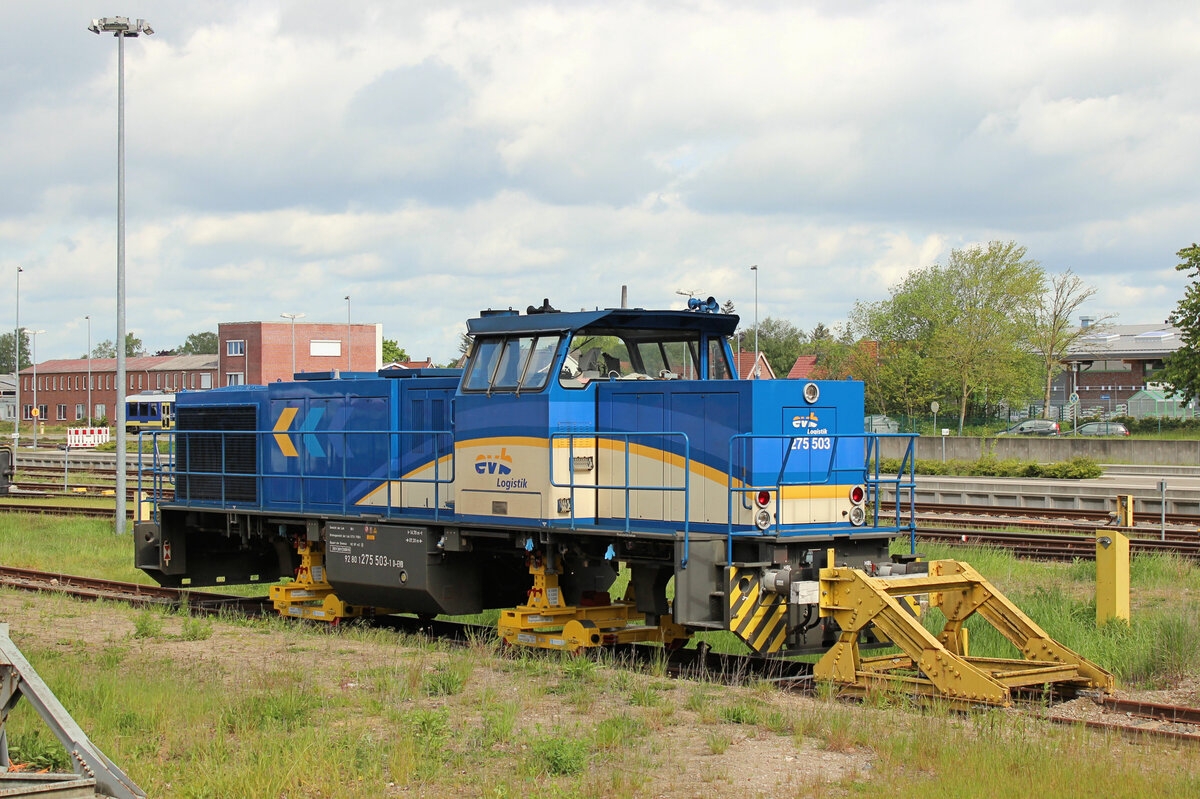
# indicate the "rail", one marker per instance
pixel 169 469
pixel 627 487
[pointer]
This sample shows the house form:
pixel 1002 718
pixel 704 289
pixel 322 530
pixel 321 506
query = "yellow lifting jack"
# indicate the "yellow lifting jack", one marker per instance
pixel 545 621
pixel 310 596
pixel 940 666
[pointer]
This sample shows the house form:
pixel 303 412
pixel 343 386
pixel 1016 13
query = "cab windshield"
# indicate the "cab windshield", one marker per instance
pixel 511 363
pixel 633 354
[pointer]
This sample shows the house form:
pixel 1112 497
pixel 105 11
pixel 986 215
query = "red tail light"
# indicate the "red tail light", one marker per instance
pixel 857 494
pixel 763 498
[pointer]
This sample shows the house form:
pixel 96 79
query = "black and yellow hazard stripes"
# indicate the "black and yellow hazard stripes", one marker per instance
pixel 756 616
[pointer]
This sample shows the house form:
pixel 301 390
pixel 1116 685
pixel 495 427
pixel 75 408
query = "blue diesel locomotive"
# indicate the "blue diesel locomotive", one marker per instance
pixel 569 445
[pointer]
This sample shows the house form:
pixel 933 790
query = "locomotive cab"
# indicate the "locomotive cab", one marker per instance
pixel 615 417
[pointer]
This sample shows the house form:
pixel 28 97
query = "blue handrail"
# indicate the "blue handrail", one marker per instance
pixel 626 487
pixel 793 444
pixel 172 471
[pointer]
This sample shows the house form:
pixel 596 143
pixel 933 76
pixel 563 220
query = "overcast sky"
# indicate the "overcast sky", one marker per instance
pixel 433 159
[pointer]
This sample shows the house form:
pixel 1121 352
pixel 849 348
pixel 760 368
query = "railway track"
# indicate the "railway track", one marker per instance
pixel 61 510
pixel 1050 519
pixel 133 593
pixel 1174 722
pixel 1051 546
pixel 1141 719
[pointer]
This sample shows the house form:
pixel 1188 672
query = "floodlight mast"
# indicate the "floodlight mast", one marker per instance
pixel 121 28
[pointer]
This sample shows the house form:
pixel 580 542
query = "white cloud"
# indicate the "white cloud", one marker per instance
pixel 432 161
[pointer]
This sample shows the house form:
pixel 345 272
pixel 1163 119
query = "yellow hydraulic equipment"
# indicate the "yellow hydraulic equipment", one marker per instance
pixel 310 596
pixel 940 666
pixel 545 621
pixel 1112 576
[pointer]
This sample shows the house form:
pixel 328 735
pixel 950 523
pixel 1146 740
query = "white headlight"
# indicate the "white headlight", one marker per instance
pixel 857 515
pixel 762 519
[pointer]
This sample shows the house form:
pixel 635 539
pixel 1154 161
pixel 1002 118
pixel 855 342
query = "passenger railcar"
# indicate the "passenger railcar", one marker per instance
pixel 152 411
pixel 569 445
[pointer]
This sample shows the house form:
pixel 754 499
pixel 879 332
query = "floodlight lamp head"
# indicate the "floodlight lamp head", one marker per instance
pixel 144 27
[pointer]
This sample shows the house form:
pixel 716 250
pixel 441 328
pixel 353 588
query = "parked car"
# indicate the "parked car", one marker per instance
pixel 1102 429
pixel 1032 427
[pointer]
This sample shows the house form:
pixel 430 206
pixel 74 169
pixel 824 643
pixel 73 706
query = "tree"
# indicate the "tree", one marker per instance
pixel 6 352
pixel 779 340
pixel 1053 333
pixel 820 333
pixel 727 307
pixel 393 352
pixel 1182 368
pixel 970 318
pixel 133 348
pixel 202 343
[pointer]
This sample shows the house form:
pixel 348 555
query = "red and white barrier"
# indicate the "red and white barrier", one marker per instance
pixel 87 436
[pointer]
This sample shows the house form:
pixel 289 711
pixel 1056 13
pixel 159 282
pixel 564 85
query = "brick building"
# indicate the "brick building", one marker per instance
pixel 62 385
pixel 1109 366
pixel 258 353
pixel 248 353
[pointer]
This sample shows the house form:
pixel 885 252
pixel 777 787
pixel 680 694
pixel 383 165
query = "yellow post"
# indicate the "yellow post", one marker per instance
pixel 1112 576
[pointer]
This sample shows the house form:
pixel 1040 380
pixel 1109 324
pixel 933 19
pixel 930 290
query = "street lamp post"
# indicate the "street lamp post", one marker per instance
pixel 348 356
pixel 17 370
pixel 121 28
pixel 293 317
pixel 754 269
pixel 36 413
pixel 89 407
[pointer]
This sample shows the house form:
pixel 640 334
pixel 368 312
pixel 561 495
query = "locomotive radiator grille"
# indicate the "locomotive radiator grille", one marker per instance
pixel 214 448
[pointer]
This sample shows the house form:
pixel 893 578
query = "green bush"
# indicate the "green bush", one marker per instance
pixel 1079 468
pixel 558 754
pixel 195 629
pixel 1152 424
pixel 148 624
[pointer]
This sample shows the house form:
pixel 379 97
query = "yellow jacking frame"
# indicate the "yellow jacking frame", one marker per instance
pixel 310 596
pixel 941 666
pixel 545 621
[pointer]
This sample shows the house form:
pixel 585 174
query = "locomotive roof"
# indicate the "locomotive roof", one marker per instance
pixel 633 318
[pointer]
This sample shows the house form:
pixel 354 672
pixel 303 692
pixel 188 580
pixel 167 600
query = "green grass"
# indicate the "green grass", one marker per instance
pixel 16 502
pixel 319 712
pixel 264 708
pixel 68 545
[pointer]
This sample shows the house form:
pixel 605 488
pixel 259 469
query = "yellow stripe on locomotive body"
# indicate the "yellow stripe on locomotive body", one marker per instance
pixel 511 476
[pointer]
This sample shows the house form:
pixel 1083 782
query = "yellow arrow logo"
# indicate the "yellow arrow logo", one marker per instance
pixel 282 439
